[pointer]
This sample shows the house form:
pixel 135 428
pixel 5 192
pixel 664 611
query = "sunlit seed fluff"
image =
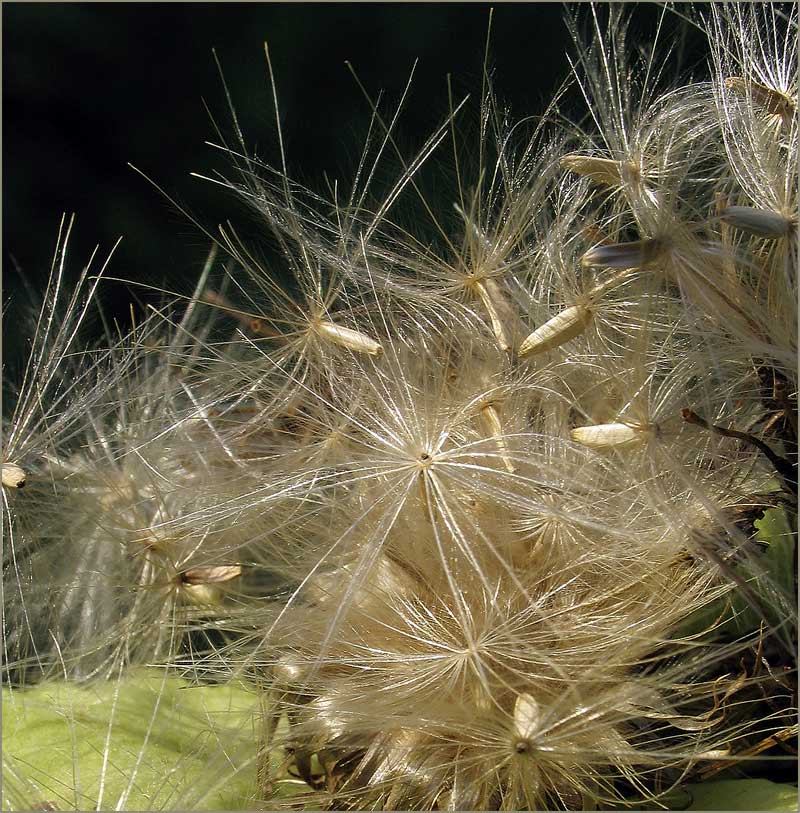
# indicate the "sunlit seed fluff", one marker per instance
pixel 566 325
pixel 623 255
pixel 761 222
pixel 603 171
pixel 499 310
pixel 608 436
pixel 13 476
pixel 770 100
pixel 491 418
pixel 347 337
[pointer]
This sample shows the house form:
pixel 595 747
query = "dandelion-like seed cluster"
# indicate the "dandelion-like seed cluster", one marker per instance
pixel 469 493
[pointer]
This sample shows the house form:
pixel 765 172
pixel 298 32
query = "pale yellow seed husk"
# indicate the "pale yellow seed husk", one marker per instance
pixel 14 476
pixel 717 753
pixel 491 417
pixel 607 436
pixel 213 574
pixel 501 314
pixel 762 222
pixel 603 171
pixel 287 672
pixel 566 325
pixel 203 595
pixel 526 715
pixel 351 339
pixel 772 101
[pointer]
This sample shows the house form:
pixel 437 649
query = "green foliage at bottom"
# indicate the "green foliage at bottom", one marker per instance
pixel 742 794
pixel 150 742
pixel 144 742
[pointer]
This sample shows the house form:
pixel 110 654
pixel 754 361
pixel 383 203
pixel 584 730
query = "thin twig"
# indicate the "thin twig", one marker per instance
pixel 784 467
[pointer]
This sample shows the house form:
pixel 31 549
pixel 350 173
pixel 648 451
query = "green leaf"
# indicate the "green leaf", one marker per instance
pixel 774 584
pixel 144 742
pixel 742 794
pixel 779 560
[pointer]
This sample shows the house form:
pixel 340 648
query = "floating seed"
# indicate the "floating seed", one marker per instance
pixel 607 436
pixel 201 585
pixel 601 170
pixel 491 417
pixel 566 325
pixel 13 476
pixel 623 255
pixel 351 339
pixel 770 100
pixel 211 575
pixel 762 222
pixel 203 595
pixel 501 314
pixel 526 718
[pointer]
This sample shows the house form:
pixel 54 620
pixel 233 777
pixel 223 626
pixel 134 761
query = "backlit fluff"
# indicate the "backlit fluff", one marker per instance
pixel 467 499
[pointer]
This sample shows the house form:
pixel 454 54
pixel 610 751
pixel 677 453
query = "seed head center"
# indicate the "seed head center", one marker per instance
pixel 425 459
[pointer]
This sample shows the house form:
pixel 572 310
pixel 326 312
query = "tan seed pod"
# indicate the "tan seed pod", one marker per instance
pixel 214 574
pixel 14 476
pixel 762 222
pixel 202 585
pixel 526 719
pixel 607 436
pixel 387 579
pixel 203 595
pixel 501 313
pixel 623 255
pixel 491 417
pixel 287 672
pixel 347 337
pixel 565 325
pixel 603 171
pixel 770 100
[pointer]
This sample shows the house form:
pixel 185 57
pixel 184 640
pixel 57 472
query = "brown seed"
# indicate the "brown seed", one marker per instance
pixel 772 101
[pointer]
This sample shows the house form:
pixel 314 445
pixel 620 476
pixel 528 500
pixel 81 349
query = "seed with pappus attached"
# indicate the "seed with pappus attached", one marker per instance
pixel 608 436
pixel 761 222
pixel 13 475
pixel 566 325
pixel 347 337
pixel 623 255
pixel 770 100
pixel 603 171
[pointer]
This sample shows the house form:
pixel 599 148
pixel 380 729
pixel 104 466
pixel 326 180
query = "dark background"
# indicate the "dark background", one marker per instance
pixel 88 88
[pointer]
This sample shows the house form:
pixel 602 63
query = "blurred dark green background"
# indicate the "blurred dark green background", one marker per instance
pixel 88 88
